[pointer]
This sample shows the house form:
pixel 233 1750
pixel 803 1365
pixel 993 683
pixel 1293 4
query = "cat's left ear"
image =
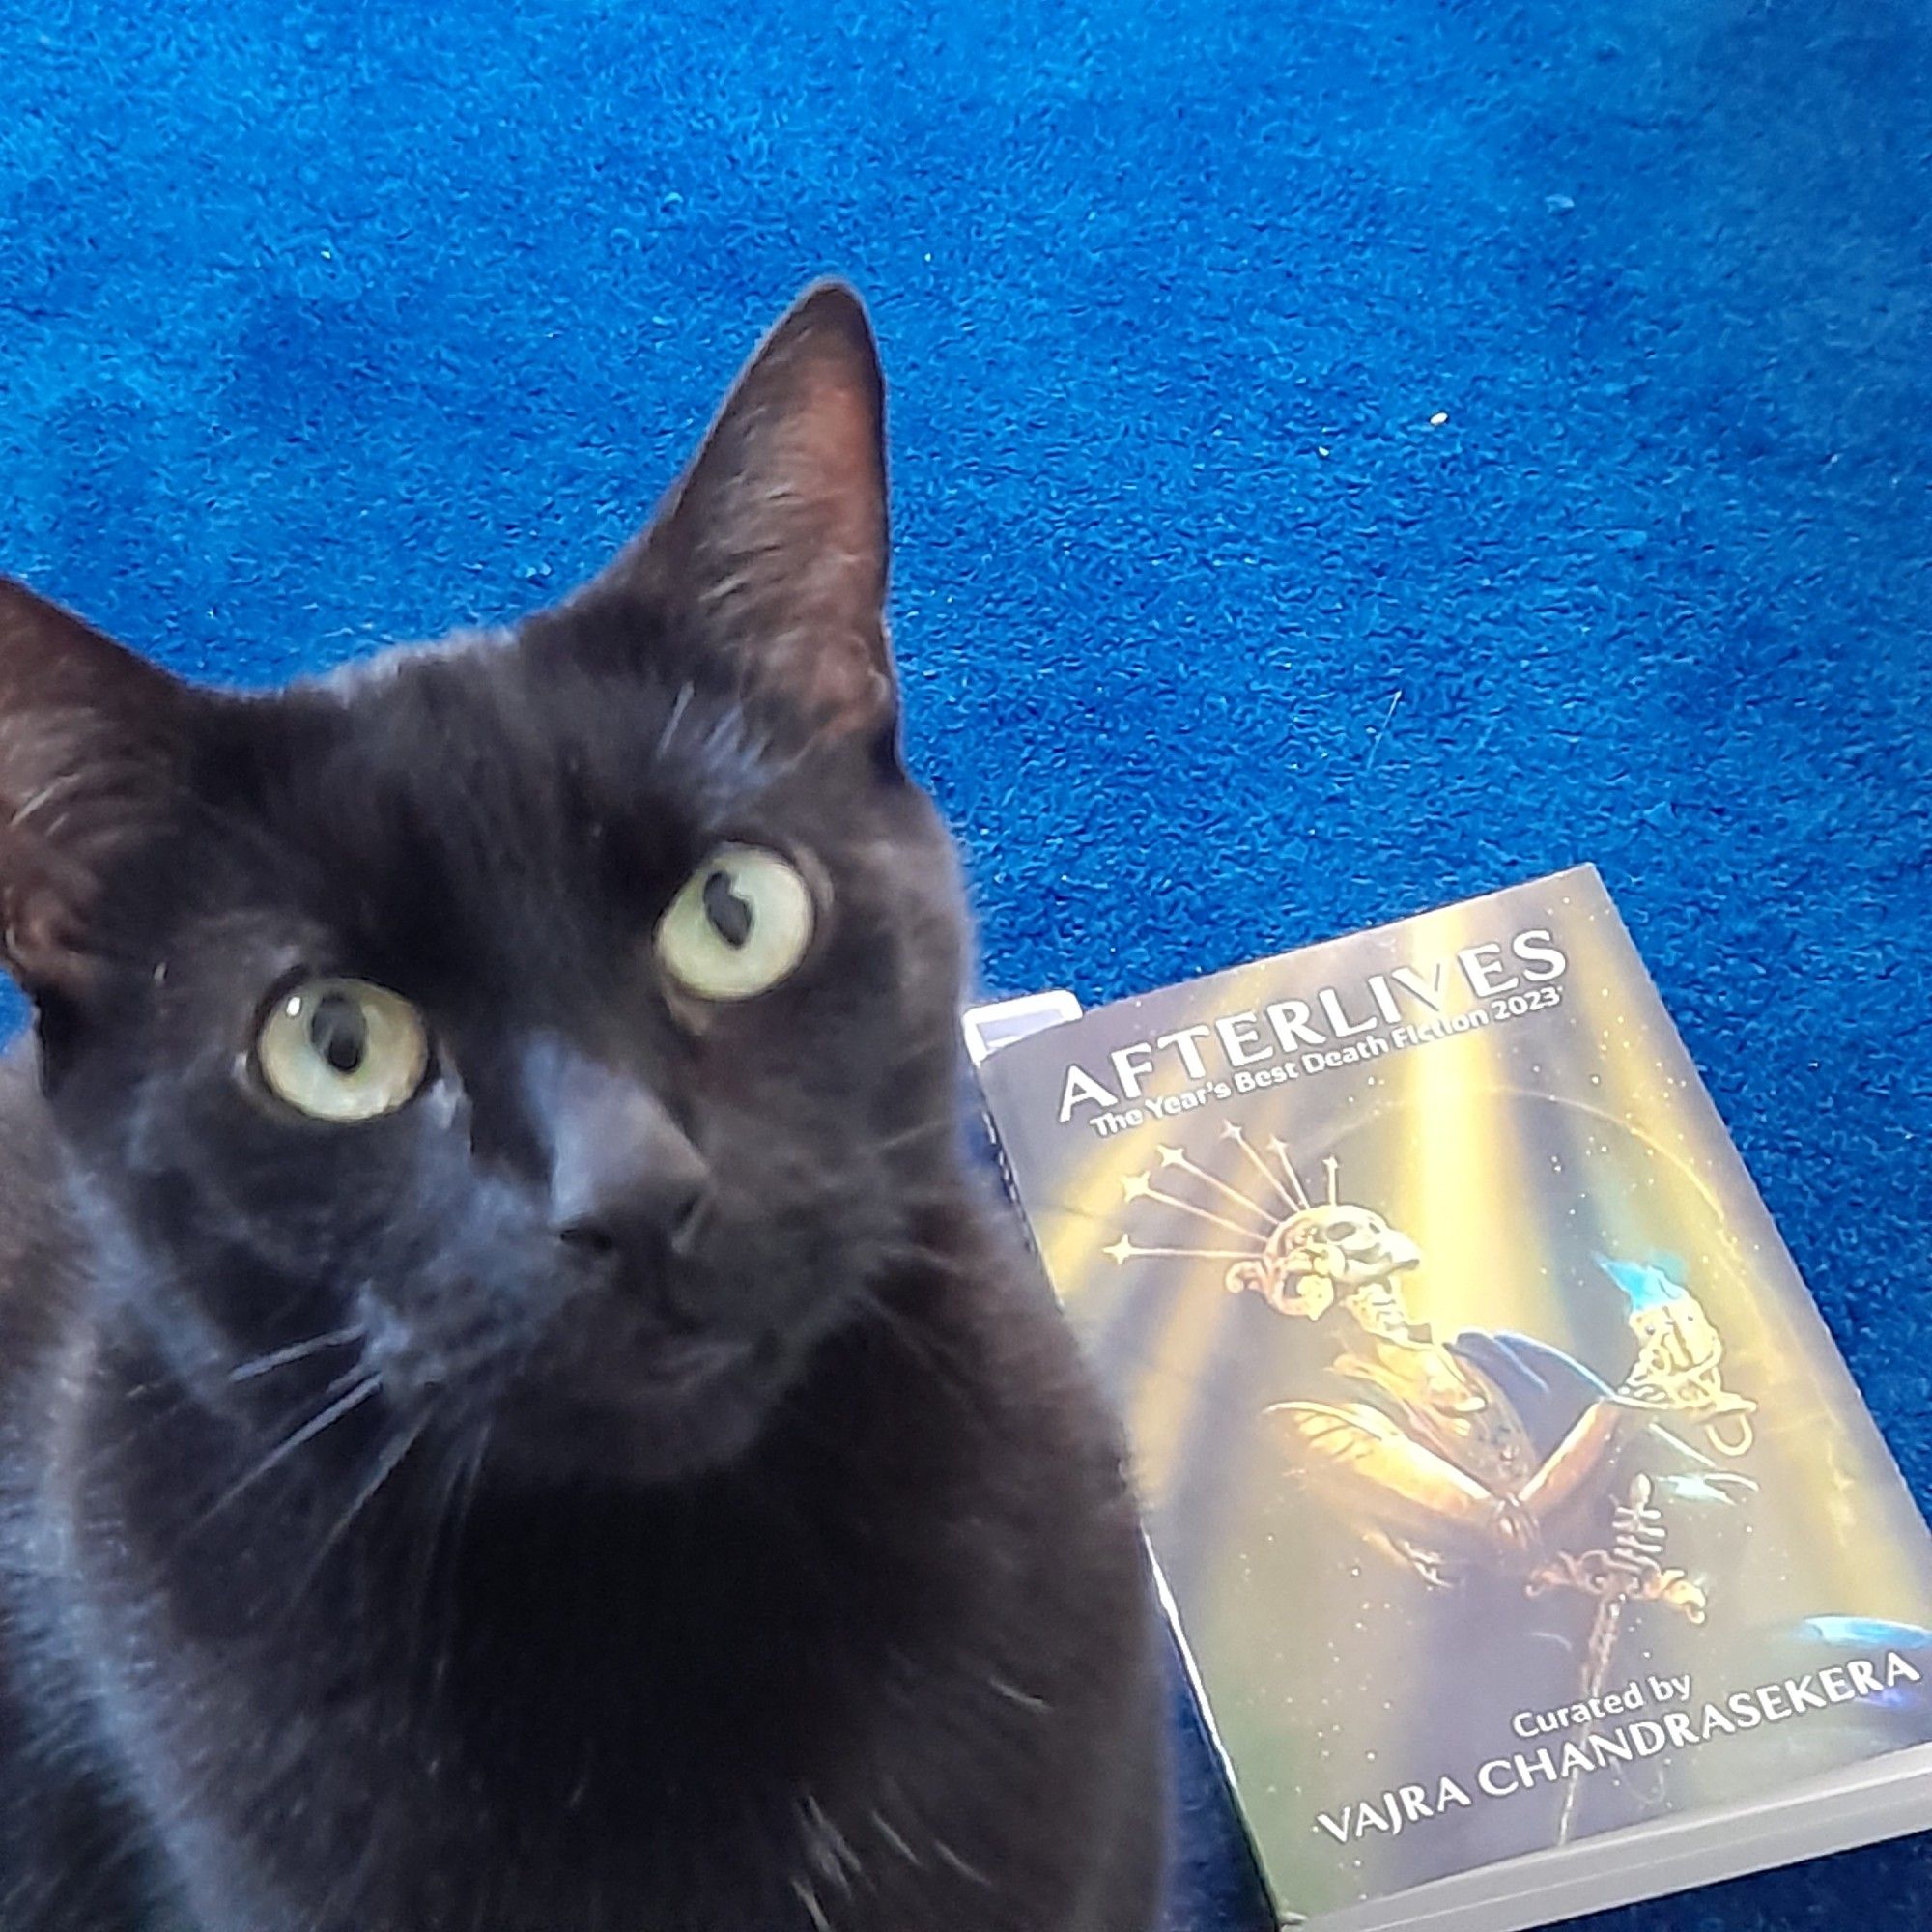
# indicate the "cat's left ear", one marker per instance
pixel 89 743
pixel 774 546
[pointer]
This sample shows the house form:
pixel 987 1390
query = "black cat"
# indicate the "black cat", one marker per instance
pixel 516 1415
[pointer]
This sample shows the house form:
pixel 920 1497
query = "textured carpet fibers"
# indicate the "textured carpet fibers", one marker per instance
pixel 1348 457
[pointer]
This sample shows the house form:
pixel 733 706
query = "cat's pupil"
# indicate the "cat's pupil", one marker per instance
pixel 339 1033
pixel 729 914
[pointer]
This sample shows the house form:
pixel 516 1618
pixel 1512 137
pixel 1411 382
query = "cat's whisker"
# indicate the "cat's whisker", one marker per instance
pixel 386 1465
pixel 911 1136
pixel 917 1255
pixel 808 1896
pixel 298 1352
pixel 466 1500
pixel 276 1457
pixel 917 1345
pixel 679 705
pixel 896 1840
pixel 443 1549
pixel 448 1479
pixel 968 1871
pixel 828 1847
pixel 350 1376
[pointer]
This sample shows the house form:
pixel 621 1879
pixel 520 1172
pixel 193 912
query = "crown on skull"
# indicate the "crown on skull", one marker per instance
pixel 1330 1248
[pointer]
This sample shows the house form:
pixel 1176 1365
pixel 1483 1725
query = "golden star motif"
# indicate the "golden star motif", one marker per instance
pixel 1171 1156
pixel 1136 1186
pixel 1123 1250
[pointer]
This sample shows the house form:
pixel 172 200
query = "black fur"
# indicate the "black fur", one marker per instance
pixel 376 1561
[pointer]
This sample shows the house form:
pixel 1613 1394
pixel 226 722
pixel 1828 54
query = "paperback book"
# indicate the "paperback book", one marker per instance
pixel 1528 1540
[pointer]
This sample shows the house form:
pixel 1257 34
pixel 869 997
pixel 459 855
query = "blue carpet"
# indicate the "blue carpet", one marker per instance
pixel 1348 457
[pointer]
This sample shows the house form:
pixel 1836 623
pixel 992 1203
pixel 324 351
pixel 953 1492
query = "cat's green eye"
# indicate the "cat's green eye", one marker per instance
pixel 341 1050
pixel 738 926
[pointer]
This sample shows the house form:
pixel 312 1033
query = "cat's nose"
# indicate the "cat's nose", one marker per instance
pixel 637 1196
pixel 625 1179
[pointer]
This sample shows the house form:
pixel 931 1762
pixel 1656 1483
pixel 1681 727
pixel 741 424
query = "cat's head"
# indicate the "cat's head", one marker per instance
pixel 552 1027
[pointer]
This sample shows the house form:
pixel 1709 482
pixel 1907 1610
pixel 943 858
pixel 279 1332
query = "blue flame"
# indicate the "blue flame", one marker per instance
pixel 1867 1633
pixel 1645 1284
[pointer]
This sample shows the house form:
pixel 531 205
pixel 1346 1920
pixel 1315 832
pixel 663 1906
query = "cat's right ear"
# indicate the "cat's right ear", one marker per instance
pixel 90 738
pixel 772 549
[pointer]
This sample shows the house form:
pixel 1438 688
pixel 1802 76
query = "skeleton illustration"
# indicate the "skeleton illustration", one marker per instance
pixel 1448 1454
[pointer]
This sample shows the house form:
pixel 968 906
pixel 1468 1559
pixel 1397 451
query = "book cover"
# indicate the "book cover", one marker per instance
pixel 1508 1486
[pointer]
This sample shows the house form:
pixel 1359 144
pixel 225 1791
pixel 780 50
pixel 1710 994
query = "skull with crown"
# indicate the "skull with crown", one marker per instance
pixel 1327 1251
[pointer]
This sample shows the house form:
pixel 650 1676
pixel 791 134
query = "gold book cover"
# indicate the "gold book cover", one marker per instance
pixel 1508 1488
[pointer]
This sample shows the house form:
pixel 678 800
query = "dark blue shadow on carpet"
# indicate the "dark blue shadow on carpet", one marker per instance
pixel 1214 1881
